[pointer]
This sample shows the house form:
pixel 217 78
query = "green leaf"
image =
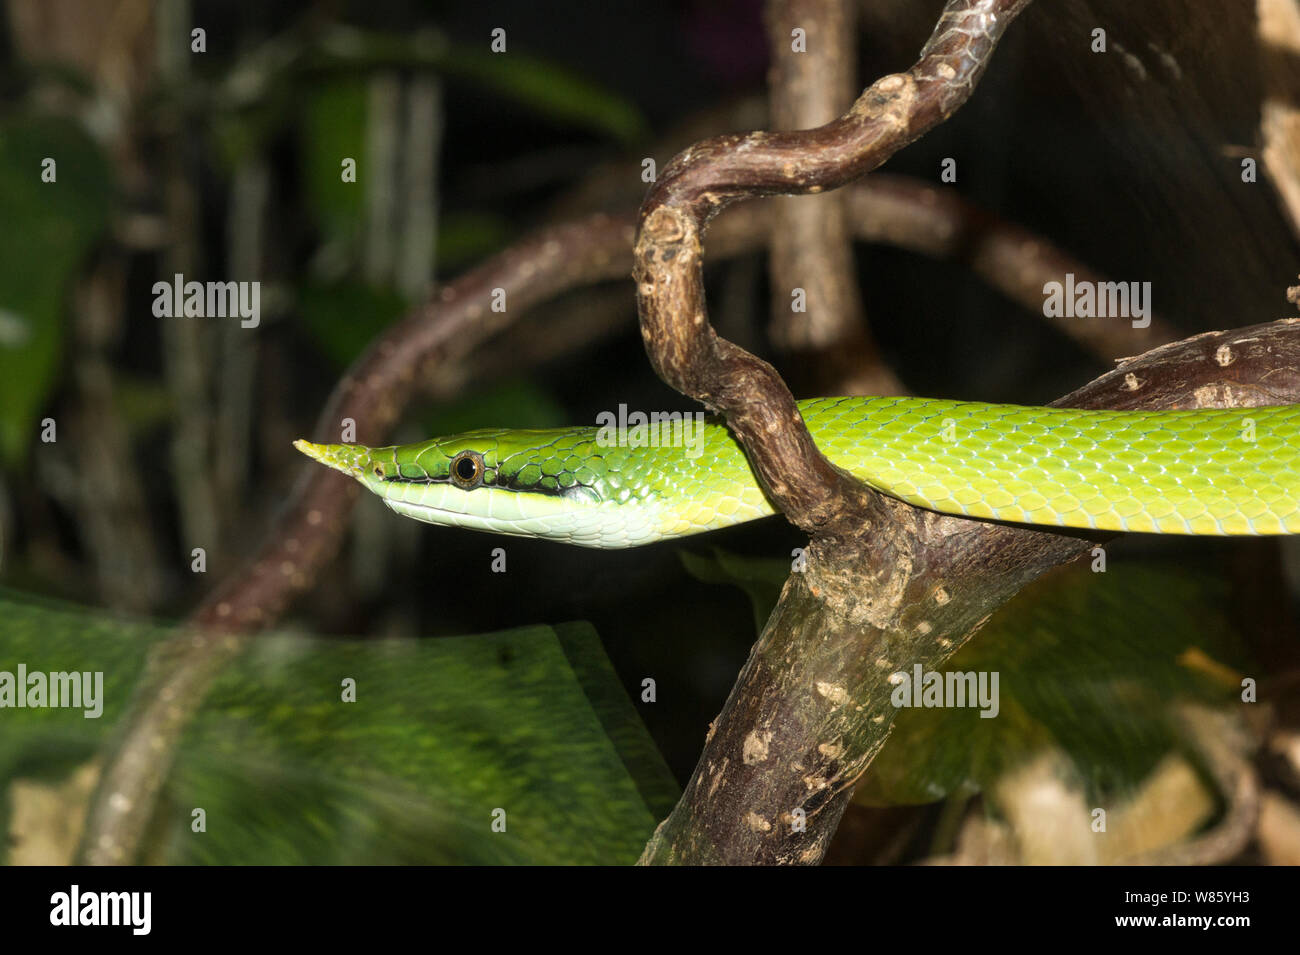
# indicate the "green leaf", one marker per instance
pixel 1087 663
pixel 443 733
pixel 48 229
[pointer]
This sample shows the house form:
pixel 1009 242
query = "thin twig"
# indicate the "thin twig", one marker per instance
pixel 706 177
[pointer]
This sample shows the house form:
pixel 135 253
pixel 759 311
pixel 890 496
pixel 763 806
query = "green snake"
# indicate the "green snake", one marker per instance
pixel 1206 471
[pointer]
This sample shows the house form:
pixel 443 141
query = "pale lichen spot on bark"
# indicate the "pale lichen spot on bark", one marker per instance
pixel 1224 356
pixel 815 783
pixel 831 750
pixel 757 823
pixel 754 749
pixel 833 692
pixel 924 627
pixel 1217 395
pixel 718 776
pixel 1132 382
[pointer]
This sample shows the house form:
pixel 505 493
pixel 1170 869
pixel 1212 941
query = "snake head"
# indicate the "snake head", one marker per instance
pixel 527 483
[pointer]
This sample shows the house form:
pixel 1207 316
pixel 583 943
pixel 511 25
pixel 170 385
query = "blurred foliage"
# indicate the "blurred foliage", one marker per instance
pixel 48 231
pixel 519 401
pixel 464 237
pixel 344 317
pixel 442 733
pixel 1087 663
pixel 334 128
pixel 551 92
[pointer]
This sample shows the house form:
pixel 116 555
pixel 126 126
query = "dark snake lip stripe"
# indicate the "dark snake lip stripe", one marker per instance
pixel 560 492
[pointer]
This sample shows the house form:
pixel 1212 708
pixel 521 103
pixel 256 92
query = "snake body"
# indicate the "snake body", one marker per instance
pixel 1207 471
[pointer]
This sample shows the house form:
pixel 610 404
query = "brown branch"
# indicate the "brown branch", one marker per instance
pixel 937 222
pixel 812 705
pixel 738 806
pixel 886 586
pixel 699 182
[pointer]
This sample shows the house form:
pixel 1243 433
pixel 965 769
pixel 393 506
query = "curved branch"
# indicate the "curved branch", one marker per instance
pixel 812 705
pixel 918 216
pixel 702 180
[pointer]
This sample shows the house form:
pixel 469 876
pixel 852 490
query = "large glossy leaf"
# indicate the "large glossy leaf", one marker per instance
pixel 442 734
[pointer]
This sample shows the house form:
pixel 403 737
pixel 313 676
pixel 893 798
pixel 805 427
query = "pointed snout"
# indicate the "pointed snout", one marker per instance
pixel 351 459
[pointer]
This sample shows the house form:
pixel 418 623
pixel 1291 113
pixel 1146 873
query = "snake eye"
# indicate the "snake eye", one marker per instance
pixel 467 470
